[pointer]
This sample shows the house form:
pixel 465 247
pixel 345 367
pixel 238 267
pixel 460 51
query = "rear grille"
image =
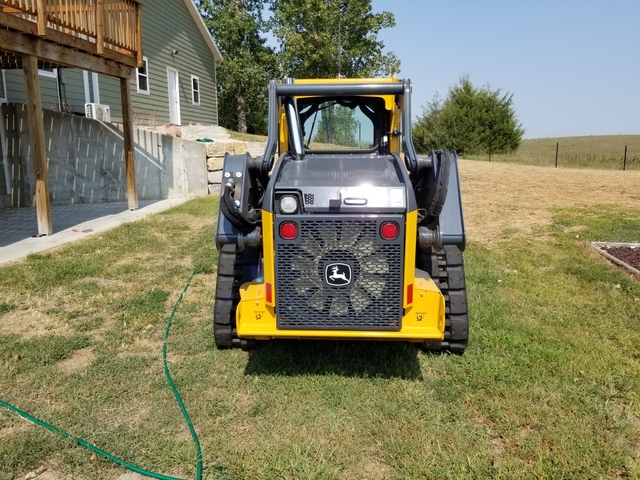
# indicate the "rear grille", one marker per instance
pixel 345 249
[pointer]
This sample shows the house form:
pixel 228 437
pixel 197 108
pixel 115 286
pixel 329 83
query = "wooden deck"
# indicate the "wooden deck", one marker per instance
pixel 102 36
pixel 110 29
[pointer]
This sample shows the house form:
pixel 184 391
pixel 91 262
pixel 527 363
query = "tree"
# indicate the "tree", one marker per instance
pixel 470 120
pixel 338 125
pixel 247 63
pixel 331 38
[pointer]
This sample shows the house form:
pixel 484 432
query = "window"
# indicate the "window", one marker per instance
pixel 342 123
pixel 48 72
pixel 143 77
pixel 195 90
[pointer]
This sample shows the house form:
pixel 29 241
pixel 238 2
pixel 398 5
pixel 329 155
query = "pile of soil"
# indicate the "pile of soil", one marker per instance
pixel 629 255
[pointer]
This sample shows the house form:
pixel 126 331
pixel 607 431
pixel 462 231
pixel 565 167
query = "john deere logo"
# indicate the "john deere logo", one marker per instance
pixel 338 274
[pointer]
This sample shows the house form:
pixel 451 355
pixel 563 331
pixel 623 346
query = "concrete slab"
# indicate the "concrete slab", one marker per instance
pixel 18 226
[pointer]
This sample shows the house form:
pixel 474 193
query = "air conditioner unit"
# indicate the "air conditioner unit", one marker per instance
pixel 98 112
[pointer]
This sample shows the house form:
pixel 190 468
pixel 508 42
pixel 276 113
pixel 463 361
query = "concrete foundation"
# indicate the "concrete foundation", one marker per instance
pixel 86 161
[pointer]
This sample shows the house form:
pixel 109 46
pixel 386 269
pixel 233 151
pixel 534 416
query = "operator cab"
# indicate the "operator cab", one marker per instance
pixel 343 124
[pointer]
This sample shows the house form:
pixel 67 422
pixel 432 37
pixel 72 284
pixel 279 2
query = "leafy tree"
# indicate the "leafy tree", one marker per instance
pixel 331 38
pixel 247 63
pixel 470 120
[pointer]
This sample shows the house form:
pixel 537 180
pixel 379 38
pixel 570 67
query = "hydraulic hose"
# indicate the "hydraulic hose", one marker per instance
pixel 107 455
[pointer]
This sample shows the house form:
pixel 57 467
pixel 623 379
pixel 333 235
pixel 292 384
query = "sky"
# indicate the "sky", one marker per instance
pixel 573 66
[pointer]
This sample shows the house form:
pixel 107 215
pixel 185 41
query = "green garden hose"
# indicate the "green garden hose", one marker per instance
pixel 117 460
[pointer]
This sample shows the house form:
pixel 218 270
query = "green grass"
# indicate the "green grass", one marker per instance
pixel 247 137
pixel 600 152
pixel 548 387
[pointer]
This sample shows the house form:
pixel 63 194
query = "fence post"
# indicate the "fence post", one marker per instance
pixel 624 163
pixel 557 143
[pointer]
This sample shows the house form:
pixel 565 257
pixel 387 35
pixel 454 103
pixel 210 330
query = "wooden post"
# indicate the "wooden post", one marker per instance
pixel 557 145
pixel 139 34
pixel 99 26
pixel 127 126
pixel 41 17
pixel 624 162
pixel 36 135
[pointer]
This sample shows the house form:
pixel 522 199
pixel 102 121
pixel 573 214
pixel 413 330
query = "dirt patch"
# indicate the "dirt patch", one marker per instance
pixel 102 282
pixel 31 323
pixel 143 348
pixel 502 199
pixel 80 360
pixel 369 469
pixel 16 429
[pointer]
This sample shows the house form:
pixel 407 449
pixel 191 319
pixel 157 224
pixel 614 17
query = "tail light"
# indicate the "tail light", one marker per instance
pixel 288 230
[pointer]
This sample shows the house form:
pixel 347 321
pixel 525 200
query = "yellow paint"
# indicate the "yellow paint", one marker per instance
pixel 283 132
pixel 424 320
pixel 268 253
pixel 411 234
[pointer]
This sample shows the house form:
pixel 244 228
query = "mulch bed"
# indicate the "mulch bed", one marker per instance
pixel 629 255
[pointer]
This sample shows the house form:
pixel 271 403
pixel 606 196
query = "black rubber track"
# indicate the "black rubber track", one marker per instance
pixel 446 268
pixel 235 267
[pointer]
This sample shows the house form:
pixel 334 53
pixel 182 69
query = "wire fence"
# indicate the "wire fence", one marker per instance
pixel 571 155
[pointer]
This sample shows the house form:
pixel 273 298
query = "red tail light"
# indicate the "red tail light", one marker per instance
pixel 269 293
pixel 389 230
pixel 288 230
pixel 410 294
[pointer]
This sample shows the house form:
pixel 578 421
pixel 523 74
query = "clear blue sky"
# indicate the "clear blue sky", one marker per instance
pixel 572 65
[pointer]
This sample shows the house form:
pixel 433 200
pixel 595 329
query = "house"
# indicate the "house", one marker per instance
pixel 176 84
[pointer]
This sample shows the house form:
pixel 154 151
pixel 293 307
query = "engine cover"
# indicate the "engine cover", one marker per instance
pixel 339 273
pixel 348 183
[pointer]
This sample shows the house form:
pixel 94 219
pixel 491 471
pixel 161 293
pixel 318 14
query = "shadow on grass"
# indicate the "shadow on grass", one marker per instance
pixel 342 358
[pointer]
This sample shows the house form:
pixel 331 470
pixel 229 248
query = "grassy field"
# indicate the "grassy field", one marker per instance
pixel 601 152
pixel 548 388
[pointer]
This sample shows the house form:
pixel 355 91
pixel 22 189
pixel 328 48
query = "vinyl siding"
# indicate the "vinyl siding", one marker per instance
pixel 166 25
pixel 169 26
pixel 16 92
pixel 73 91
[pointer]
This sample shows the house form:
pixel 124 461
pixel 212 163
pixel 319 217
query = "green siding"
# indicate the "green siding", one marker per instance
pixel 16 92
pixel 165 27
pixel 73 91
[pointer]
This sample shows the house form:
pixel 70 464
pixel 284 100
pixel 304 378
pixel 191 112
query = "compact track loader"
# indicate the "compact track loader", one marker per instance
pixel 348 234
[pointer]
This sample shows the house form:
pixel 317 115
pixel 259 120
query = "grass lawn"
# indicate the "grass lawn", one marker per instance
pixel 600 152
pixel 548 388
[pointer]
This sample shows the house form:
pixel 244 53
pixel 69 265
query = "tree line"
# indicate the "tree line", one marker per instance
pixel 339 38
pixel 314 39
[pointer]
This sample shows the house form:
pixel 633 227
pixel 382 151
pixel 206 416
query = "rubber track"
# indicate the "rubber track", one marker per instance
pixel 446 268
pixel 235 267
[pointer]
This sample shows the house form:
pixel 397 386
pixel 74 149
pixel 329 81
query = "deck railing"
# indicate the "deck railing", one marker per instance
pixel 110 28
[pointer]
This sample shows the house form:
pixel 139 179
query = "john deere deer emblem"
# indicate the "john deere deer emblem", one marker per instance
pixel 338 274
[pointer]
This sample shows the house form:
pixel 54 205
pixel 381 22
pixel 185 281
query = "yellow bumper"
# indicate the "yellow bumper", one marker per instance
pixel 423 320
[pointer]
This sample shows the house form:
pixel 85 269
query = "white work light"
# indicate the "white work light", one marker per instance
pixel 288 204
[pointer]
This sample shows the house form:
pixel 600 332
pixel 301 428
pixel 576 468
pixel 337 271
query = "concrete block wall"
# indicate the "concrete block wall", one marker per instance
pixel 86 160
pixel 215 160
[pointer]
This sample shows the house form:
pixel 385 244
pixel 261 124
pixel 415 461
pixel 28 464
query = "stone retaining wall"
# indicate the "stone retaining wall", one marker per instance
pixel 215 160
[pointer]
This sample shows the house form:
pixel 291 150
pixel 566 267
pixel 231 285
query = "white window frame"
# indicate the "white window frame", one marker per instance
pixel 47 73
pixel 194 91
pixel 146 74
pixel 4 98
